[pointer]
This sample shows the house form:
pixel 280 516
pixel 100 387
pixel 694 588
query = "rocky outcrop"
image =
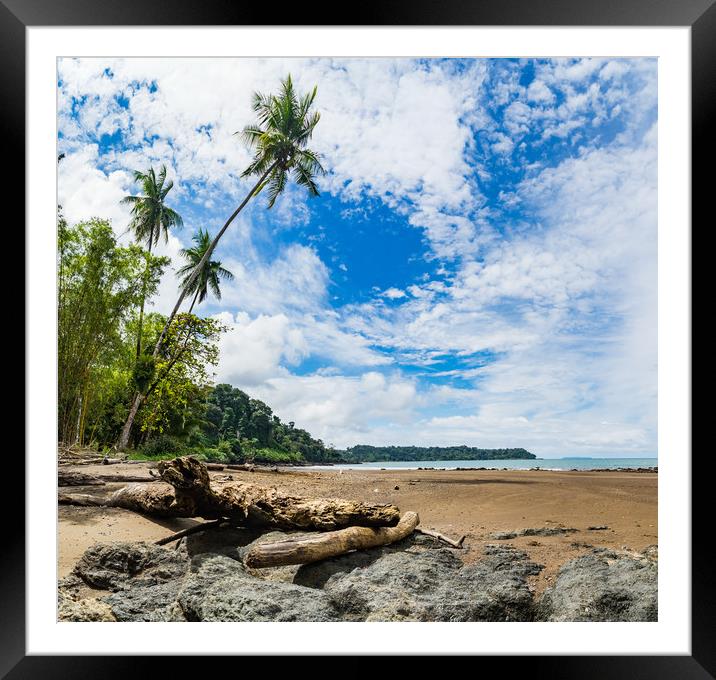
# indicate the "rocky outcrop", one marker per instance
pixel 118 566
pixel 416 579
pixel 220 589
pixel 604 586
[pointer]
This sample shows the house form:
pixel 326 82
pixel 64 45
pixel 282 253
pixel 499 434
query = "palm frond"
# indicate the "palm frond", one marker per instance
pixel 276 185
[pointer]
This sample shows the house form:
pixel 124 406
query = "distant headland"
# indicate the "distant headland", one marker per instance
pixel 369 454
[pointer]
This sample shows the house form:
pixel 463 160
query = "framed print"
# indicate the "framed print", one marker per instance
pixel 367 338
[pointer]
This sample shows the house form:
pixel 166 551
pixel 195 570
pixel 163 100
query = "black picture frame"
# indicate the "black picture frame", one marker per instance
pixel 700 15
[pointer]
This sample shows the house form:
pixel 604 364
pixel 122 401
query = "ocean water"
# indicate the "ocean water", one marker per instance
pixel 542 463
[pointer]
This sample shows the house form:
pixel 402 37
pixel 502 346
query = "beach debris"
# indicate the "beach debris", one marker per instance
pixel 442 537
pixel 82 499
pixel 601 527
pixel 307 549
pixel 396 488
pixel 67 478
pixel 187 491
pixel 179 535
pixel 540 531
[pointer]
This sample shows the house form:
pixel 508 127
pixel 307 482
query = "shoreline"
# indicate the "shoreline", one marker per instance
pixel 374 466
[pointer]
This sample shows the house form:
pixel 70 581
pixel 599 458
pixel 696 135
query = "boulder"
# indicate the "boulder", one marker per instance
pixel 603 586
pixel 116 566
pixel 220 589
pixel 395 584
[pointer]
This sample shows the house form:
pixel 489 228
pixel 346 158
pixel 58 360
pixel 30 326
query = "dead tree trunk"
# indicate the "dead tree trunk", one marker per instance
pixel 328 544
pixel 188 492
pixel 67 478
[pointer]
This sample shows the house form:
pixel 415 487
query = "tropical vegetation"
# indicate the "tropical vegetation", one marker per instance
pixel 365 454
pixel 141 381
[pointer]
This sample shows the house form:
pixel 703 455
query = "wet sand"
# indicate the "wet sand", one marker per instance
pixel 474 503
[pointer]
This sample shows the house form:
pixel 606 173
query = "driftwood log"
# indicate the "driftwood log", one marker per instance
pixel 196 529
pixel 67 478
pixel 328 544
pixel 82 499
pixel 442 537
pixel 186 491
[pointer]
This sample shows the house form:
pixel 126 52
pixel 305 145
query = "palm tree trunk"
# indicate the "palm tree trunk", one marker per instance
pixel 193 302
pixel 127 429
pixel 208 254
pixel 144 294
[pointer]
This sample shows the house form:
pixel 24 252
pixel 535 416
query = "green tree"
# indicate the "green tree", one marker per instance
pixel 148 367
pixel 279 138
pixel 98 284
pixel 175 400
pixel 151 218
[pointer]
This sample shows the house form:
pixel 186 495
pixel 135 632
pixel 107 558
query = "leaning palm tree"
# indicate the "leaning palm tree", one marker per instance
pixel 209 275
pixel 284 126
pixel 279 137
pixel 151 218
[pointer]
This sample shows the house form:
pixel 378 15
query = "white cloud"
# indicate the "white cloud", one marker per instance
pixel 539 92
pixel 342 410
pixel 252 350
pixel 393 293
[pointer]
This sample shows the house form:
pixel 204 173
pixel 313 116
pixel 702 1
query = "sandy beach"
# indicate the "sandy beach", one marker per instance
pixel 474 503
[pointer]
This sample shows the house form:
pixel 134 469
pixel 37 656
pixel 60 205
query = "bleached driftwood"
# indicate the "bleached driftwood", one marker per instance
pixel 186 491
pixel 309 549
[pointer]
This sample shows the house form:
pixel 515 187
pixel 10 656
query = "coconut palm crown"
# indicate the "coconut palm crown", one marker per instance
pixel 284 126
pixel 150 216
pixel 210 274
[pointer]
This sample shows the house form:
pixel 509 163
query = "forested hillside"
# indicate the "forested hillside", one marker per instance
pixel 365 454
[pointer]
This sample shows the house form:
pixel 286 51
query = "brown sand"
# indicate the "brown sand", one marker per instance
pixel 475 503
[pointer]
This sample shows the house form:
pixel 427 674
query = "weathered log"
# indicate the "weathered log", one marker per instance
pixel 214 466
pixel 197 528
pixel 127 478
pixel 188 492
pixel 254 505
pixel 155 498
pixel 82 499
pixel 82 461
pixel 67 478
pixel 442 537
pixel 328 544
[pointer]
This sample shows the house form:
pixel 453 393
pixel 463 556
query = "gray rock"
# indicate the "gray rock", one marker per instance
pixel 539 531
pixel 111 566
pixel 433 585
pixel 603 586
pixel 220 589
pixel 146 602
pixel 417 579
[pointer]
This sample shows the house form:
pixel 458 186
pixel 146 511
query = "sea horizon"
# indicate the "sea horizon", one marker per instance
pixel 566 463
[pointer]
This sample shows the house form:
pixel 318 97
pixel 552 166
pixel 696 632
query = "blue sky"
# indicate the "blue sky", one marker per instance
pixel 480 267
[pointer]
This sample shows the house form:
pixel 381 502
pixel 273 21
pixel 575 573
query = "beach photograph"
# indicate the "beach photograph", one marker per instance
pixel 357 339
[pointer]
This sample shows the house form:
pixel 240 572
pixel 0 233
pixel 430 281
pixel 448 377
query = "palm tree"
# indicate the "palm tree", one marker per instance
pixel 151 218
pixel 279 137
pixel 211 272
